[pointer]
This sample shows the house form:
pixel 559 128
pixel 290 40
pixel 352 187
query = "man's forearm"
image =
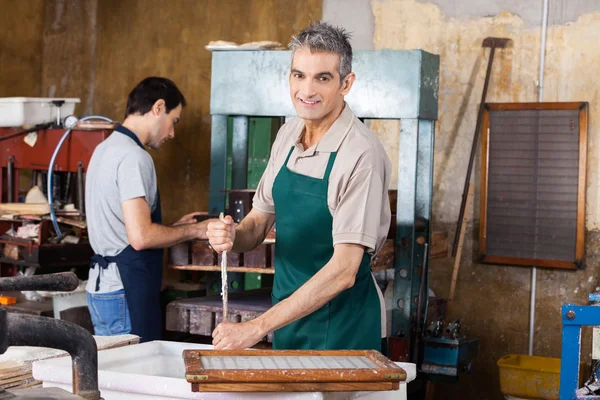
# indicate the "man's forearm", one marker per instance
pixel 330 281
pixel 160 236
pixel 249 234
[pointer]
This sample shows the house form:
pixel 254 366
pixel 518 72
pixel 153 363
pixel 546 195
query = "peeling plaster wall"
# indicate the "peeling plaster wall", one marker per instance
pixel 492 301
pixel 571 65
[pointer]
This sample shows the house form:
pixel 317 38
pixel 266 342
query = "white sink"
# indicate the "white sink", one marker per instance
pixel 155 370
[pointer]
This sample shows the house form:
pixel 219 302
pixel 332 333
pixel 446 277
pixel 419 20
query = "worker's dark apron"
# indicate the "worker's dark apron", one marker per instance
pixel 304 245
pixel 141 274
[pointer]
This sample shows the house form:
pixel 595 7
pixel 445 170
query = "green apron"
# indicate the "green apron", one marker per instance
pixel 304 244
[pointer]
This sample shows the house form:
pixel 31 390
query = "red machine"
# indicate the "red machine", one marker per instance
pixel 16 156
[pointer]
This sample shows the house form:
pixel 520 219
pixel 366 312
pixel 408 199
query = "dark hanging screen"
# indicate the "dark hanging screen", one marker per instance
pixel 533 168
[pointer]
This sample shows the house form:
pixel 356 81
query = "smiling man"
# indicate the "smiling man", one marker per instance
pixel 124 215
pixel 326 188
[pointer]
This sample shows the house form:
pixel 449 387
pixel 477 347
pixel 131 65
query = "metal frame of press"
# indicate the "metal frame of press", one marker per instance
pixel 573 318
pixel 391 85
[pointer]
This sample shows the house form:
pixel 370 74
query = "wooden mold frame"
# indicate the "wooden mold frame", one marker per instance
pixel 579 255
pixel 378 374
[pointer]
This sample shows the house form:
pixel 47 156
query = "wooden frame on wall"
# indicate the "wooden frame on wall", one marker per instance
pixel 578 246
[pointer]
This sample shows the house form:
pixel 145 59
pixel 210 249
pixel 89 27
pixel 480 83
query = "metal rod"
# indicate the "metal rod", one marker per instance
pixel 473 150
pixel 10 177
pixel 61 281
pixel 26 131
pixel 30 330
pixel 420 303
pixel 80 191
pixel 532 310
pixel 540 98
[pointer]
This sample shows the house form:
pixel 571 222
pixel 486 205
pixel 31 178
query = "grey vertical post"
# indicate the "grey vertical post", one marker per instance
pixel 405 263
pixel 239 156
pixel 218 163
pixel 423 204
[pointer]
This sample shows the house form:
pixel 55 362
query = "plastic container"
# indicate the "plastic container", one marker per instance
pixel 19 111
pixel 155 371
pixel 531 377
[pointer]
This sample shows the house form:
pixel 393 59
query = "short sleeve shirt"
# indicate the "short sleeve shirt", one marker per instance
pixel 119 170
pixel 357 195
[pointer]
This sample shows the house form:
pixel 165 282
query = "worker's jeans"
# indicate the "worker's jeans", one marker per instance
pixel 109 313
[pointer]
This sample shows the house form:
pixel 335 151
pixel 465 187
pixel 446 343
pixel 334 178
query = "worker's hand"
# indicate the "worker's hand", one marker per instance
pixel 188 218
pixel 221 234
pixel 230 336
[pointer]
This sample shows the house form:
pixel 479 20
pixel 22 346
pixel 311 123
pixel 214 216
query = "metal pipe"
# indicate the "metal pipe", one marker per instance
pixel 540 98
pixel 463 202
pixel 61 281
pixel 25 131
pixel 28 330
pixel 422 293
pixel 10 177
pixel 80 191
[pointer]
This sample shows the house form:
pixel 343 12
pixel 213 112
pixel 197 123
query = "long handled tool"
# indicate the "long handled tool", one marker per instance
pixel 493 43
pixel 224 284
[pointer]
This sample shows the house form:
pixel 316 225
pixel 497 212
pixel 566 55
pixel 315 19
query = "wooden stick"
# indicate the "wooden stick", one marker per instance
pixel 24 208
pixel 224 285
pixel 218 268
pixel 460 243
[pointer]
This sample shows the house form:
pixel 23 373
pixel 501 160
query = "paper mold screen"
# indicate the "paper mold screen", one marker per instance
pixel 286 362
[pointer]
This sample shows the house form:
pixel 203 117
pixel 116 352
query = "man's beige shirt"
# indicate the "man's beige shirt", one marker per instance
pixel 358 185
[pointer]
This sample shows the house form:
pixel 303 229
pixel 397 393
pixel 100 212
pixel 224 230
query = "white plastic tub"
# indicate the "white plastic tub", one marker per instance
pixel 19 111
pixel 155 370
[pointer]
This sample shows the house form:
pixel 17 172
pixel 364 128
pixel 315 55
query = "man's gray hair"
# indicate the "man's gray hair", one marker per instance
pixel 323 37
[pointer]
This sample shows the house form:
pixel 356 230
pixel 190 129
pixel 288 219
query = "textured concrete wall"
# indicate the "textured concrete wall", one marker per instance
pixel 491 300
pixel 354 15
pixel 570 71
pixel 21 30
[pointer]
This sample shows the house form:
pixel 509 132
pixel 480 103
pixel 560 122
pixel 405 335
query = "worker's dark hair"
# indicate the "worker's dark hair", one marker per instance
pixel 149 91
pixel 323 37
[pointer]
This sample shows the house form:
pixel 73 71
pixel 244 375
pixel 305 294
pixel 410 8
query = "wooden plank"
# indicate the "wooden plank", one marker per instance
pixel 24 208
pixel 528 262
pixel 485 157
pixel 583 132
pixel 368 366
pixel 534 106
pixel 295 387
pixel 218 268
pixel 461 240
pixel 439 245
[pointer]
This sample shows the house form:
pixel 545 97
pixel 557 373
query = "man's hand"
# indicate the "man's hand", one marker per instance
pixel 221 234
pixel 188 218
pixel 230 336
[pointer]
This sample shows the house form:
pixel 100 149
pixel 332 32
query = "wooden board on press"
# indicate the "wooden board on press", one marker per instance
pixel 24 209
pixel 290 371
pixel 16 363
pixel 201 315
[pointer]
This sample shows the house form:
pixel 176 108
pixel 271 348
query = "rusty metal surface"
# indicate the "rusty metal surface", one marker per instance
pixel 78 147
pixel 62 281
pixel 27 330
pixel 200 316
pixel 39 252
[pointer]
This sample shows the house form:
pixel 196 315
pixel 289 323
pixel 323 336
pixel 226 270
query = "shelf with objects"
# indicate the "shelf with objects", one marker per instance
pixel 391 85
pixel 28 234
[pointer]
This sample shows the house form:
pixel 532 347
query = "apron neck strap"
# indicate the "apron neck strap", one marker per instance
pixel 330 163
pixel 288 157
pixel 130 134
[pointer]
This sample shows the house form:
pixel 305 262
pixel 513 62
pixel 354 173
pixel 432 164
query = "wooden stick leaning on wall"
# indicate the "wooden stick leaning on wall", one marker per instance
pixel 461 241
